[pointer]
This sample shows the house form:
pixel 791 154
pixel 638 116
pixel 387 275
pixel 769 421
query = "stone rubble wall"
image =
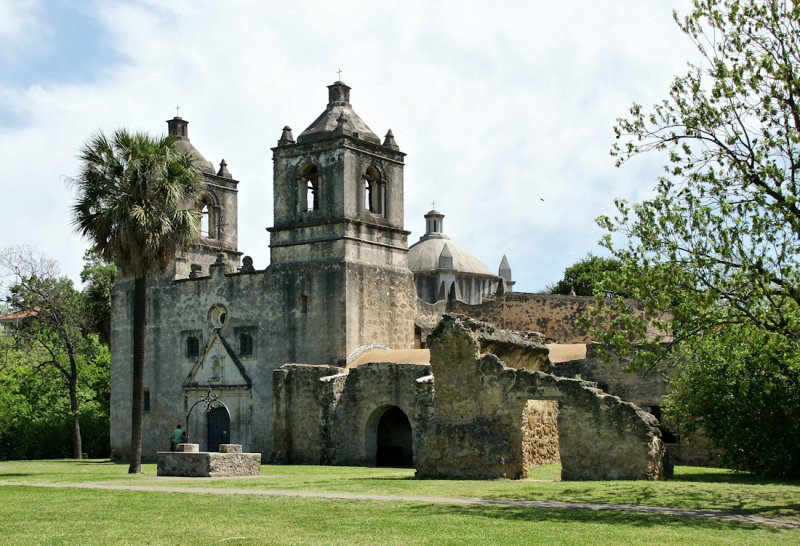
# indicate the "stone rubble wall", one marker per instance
pixel 482 418
pixel 641 388
pixel 553 315
pixel 602 437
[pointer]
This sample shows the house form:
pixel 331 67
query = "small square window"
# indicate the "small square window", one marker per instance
pixel 245 344
pixel 244 341
pixel 192 347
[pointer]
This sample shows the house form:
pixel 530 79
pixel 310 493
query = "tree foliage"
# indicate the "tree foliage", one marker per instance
pixel 35 407
pixel 99 278
pixel 587 277
pixel 717 246
pixel 51 367
pixel 747 398
pixel 136 198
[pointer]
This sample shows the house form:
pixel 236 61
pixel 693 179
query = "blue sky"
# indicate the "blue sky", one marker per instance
pixel 505 109
pixel 58 42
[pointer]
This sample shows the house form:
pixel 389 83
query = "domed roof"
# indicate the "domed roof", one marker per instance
pixel 424 256
pixel 338 118
pixel 435 250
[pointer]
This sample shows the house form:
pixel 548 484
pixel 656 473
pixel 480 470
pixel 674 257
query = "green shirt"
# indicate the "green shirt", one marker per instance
pixel 177 435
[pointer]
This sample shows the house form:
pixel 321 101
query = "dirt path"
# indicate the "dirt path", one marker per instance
pixel 682 512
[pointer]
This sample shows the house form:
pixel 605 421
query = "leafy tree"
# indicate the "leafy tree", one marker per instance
pixel 99 278
pixel 35 405
pixel 586 277
pixel 132 197
pixel 49 338
pixel 717 246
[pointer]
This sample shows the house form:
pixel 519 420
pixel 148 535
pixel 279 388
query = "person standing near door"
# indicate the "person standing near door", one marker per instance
pixel 177 437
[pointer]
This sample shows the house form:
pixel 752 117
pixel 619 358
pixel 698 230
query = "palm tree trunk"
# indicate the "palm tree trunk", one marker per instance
pixel 137 408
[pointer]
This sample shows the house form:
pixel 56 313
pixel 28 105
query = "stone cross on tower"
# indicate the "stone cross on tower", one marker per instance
pixel 339 72
pixel 177 111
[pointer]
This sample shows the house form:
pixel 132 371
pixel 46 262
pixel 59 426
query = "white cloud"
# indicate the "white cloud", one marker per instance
pixel 497 108
pixel 16 17
pixel 18 30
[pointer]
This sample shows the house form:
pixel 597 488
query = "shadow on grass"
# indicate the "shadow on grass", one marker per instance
pixel 732 478
pixel 567 516
pixel 385 478
pixel 15 475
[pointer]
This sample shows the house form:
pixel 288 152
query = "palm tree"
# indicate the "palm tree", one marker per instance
pixel 135 202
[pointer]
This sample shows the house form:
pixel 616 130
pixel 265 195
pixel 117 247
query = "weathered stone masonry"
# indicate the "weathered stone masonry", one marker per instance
pixel 471 414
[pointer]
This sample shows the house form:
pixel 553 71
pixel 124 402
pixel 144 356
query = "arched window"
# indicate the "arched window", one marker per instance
pixel 192 347
pixel 373 191
pixel 245 344
pixel 308 191
pixel 204 220
pixel 208 223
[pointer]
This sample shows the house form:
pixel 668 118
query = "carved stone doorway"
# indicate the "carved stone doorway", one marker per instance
pixel 219 428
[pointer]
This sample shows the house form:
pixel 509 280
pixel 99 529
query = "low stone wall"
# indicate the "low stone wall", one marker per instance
pixel 189 462
pixel 483 422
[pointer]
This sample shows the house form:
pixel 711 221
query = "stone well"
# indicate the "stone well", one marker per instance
pixel 188 461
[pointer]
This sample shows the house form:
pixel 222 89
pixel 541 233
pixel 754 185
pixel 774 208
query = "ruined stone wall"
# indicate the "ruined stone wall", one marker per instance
pixel 482 415
pixel 603 438
pixel 552 315
pixel 330 415
pixel 642 388
pixel 645 389
pixel 298 421
pixel 367 392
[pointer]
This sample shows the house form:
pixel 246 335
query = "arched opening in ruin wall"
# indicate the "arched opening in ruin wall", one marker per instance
pixel 389 439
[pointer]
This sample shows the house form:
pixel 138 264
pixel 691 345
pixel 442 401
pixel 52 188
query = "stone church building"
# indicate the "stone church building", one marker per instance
pixel 323 356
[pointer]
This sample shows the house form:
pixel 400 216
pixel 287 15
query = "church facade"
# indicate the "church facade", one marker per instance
pixel 338 281
pixel 343 313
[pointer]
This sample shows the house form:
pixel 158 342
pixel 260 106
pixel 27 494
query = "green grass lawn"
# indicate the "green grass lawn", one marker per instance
pixel 31 515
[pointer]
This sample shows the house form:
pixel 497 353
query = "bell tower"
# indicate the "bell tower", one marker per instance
pixel 338 230
pixel 218 207
pixel 338 191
